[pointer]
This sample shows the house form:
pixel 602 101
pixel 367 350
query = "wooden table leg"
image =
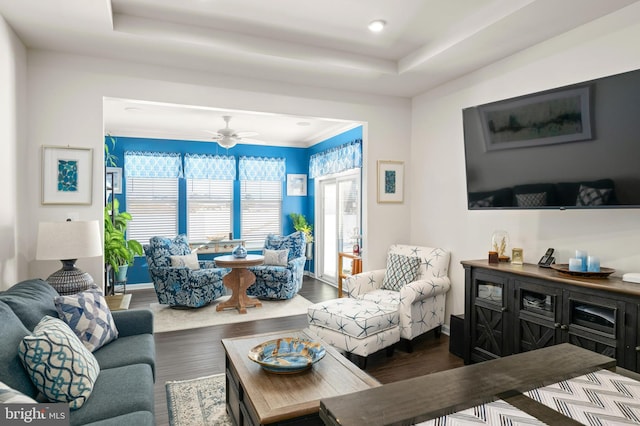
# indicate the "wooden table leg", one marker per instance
pixel 238 281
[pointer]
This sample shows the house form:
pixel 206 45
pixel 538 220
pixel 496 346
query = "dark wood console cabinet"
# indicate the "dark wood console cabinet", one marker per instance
pixel 517 308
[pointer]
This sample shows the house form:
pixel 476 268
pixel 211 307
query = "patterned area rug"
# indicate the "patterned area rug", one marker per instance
pixel 197 402
pixel 170 319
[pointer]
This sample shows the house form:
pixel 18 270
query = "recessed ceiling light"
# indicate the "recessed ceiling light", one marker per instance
pixel 377 25
pixel 132 109
pixel 303 123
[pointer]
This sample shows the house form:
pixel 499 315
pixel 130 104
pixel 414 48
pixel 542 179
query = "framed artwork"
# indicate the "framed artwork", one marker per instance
pixel 296 185
pixel 529 121
pixel 516 256
pixel 390 181
pixel 67 176
pixel 117 178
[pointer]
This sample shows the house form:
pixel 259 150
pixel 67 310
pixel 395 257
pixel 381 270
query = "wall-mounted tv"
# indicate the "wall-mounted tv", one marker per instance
pixel 573 147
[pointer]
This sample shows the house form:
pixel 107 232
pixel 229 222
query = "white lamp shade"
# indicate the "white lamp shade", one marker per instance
pixel 68 240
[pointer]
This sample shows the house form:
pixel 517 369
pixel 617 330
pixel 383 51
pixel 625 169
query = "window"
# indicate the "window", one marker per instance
pixel 152 194
pixel 261 210
pixel 261 182
pixel 209 208
pixel 153 204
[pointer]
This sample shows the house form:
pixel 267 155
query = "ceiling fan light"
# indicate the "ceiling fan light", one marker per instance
pixel 377 25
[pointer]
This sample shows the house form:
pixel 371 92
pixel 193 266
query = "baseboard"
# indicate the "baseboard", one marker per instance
pixel 446 330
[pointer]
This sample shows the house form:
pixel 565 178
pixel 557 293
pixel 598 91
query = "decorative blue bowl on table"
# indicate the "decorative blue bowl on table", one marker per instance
pixel 239 251
pixel 287 355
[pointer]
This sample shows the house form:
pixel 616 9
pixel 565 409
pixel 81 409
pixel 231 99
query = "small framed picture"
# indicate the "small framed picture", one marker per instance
pixel 117 178
pixel 390 181
pixel 516 256
pixel 66 175
pixel 296 185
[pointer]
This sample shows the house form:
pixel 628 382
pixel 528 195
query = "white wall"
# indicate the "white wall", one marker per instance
pixel 13 64
pixel 65 99
pixel 439 216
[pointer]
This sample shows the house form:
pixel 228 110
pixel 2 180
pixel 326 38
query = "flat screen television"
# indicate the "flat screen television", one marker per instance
pixel 573 147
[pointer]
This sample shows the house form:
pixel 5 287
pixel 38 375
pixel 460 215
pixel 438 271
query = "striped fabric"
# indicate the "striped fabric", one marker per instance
pixel 493 413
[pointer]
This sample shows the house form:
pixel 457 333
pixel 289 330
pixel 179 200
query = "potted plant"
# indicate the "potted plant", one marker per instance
pixel 119 253
pixel 300 224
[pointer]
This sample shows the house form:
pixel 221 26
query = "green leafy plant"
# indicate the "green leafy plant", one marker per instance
pixel 109 157
pixel 300 224
pixel 118 251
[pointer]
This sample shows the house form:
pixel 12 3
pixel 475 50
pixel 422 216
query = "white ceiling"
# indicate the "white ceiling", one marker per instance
pixel 324 44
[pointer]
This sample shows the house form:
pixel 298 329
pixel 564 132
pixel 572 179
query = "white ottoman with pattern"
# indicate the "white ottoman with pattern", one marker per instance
pixel 359 327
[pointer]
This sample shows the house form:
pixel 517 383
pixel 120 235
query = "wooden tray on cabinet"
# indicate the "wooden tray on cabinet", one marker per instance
pixel 563 268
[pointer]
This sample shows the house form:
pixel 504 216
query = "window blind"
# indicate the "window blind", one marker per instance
pixel 209 208
pixel 261 210
pixel 153 204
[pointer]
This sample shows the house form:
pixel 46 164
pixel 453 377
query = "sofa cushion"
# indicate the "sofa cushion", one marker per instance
pixel 535 195
pixel 568 191
pixel 9 395
pixel 160 249
pixel 589 196
pixel 276 257
pixel 31 300
pixel 401 270
pixel 138 418
pixel 58 363
pixel 117 392
pixel 13 372
pixel 89 317
pixel 534 199
pixel 126 350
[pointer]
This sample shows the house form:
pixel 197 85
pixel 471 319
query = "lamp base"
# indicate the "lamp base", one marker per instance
pixel 70 280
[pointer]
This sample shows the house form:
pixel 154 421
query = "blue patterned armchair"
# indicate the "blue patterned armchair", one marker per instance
pixel 281 281
pixel 177 275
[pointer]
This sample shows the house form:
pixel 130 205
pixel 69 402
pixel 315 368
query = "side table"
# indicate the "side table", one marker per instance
pixel 239 280
pixel 356 267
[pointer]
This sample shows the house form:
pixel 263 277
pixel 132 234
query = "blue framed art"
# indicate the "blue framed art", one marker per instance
pixel 390 181
pixel 67 176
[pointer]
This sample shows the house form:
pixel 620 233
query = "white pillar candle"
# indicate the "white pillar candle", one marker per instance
pixel 575 264
pixel 593 264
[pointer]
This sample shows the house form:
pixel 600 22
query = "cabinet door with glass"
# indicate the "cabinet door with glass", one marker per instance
pixel 489 325
pixel 538 314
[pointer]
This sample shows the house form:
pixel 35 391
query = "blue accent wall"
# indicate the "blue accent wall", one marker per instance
pixel 297 162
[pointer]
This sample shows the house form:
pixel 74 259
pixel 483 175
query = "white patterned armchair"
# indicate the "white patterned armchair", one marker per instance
pixel 416 283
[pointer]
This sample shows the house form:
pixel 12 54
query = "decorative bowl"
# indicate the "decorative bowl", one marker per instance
pixel 217 237
pixel 287 355
pixel 563 268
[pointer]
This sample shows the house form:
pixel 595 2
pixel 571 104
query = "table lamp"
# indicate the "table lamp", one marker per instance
pixel 68 241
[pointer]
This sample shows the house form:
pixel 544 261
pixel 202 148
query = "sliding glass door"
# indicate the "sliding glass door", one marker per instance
pixel 338 219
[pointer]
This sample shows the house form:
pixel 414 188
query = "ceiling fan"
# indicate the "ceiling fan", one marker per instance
pixel 227 137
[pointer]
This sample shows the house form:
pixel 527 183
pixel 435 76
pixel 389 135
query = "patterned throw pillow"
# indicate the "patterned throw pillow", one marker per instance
pixel 188 260
pixel 485 202
pixel 401 270
pixel 58 363
pixel 588 196
pixel 89 316
pixel 9 395
pixel 276 257
pixel 535 199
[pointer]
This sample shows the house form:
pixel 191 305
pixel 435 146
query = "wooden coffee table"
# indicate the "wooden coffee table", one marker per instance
pixel 238 281
pixel 257 397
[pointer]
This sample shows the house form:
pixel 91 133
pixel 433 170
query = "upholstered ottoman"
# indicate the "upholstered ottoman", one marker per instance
pixel 356 326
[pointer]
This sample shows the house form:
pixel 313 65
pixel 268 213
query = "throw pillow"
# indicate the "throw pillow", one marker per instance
pixel 276 257
pixel 89 316
pixel 401 270
pixel 531 200
pixel 588 196
pixel 9 395
pixel 485 202
pixel 188 260
pixel 58 363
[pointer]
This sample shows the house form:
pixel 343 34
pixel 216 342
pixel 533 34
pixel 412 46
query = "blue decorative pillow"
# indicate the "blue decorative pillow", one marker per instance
pixel 296 243
pixel 89 316
pixel 401 270
pixel 58 364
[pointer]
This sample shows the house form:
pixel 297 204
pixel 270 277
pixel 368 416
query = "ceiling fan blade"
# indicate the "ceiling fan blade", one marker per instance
pixel 246 134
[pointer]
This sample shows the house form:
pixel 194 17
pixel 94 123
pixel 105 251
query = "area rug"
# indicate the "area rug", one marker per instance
pixel 170 319
pixel 197 402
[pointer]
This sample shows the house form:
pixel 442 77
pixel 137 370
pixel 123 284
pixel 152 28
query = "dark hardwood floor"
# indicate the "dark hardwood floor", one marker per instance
pixel 189 354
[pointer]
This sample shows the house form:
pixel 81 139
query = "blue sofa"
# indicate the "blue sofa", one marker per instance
pixel 123 392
